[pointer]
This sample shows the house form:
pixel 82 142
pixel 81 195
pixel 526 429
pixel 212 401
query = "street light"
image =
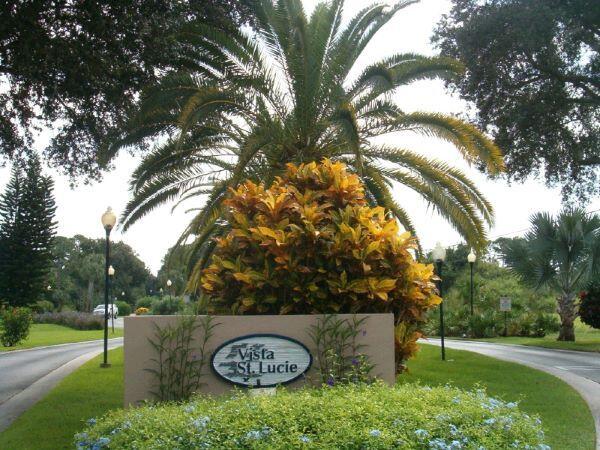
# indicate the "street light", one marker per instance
pixel 439 255
pixel 471 259
pixel 108 220
pixel 111 274
pixel 169 283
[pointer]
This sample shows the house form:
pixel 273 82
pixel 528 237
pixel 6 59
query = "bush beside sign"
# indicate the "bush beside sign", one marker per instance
pixel 261 360
pixel 266 350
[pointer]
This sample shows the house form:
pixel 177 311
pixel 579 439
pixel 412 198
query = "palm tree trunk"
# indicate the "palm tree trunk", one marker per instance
pixel 566 311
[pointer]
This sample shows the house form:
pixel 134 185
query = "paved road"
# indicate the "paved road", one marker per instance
pixel 27 375
pixel 580 369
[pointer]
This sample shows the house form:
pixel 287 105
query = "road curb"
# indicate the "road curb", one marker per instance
pixel 16 405
pixel 12 352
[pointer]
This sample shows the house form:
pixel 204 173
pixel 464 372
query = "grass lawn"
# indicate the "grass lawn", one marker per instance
pixel 88 392
pixel 566 418
pixel 91 391
pixel 586 339
pixel 48 334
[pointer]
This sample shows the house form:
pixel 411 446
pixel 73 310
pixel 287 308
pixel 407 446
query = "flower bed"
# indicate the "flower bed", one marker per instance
pixel 348 417
pixel 71 319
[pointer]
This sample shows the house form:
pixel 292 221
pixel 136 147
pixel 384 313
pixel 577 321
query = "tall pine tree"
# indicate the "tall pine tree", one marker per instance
pixel 27 229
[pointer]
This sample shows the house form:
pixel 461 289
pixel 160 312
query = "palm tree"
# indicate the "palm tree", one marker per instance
pixel 249 102
pixel 562 254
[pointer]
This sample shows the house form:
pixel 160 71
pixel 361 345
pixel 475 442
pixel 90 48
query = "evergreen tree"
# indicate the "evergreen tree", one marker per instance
pixel 27 229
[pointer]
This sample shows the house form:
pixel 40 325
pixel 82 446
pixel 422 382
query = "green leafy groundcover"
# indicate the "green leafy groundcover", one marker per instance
pixel 341 417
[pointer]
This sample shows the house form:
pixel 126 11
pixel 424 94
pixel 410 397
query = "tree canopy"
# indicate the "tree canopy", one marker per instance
pixel 81 65
pixel 533 74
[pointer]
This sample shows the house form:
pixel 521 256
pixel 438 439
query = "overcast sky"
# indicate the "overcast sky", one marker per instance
pixel 79 209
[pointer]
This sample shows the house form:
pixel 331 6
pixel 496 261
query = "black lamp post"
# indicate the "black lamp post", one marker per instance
pixel 439 255
pixel 471 258
pixel 108 222
pixel 111 274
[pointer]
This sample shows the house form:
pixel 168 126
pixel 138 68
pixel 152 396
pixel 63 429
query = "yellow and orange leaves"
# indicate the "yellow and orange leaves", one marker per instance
pixel 310 244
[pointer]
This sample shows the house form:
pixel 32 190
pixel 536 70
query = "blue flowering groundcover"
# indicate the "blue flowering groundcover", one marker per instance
pixel 372 416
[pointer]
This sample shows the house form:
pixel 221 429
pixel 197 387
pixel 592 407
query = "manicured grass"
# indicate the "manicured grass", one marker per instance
pixel 49 334
pixel 566 418
pixel 88 392
pixel 586 340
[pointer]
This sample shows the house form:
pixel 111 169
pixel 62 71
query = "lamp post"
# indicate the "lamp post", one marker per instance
pixel 111 274
pixel 169 283
pixel 108 222
pixel 471 258
pixel 439 255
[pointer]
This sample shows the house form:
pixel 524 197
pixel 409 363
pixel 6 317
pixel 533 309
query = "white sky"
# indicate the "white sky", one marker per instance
pixel 79 209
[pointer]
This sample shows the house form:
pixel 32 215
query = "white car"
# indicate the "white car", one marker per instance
pixel 113 310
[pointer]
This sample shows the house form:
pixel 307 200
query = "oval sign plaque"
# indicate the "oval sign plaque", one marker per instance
pixel 261 360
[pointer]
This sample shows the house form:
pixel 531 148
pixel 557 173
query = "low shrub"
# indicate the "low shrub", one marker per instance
pixel 341 417
pixel 71 319
pixel 16 323
pixel 168 306
pixel 42 306
pixel 141 311
pixel 124 308
pixel 145 302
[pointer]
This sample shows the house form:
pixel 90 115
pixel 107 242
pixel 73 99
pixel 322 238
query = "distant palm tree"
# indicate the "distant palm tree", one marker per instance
pixel 561 253
pixel 248 103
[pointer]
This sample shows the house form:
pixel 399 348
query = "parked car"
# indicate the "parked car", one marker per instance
pixel 113 310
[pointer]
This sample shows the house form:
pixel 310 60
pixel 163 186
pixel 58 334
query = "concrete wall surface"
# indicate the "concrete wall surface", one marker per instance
pixel 376 336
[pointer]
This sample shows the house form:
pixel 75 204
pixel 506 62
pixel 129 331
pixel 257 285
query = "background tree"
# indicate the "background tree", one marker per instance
pixel 562 253
pixel 77 278
pixel 27 228
pixel 175 268
pixel 255 102
pixel 454 264
pixel 589 306
pixel 533 74
pixel 80 66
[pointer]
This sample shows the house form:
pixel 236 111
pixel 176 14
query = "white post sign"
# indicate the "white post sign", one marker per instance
pixel 505 304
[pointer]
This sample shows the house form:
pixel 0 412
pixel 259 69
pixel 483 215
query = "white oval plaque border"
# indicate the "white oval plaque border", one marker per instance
pixel 255 335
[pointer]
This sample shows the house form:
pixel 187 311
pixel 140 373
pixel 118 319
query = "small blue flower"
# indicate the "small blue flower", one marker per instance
pixel 437 444
pixel 91 421
pixel 490 421
pixel 355 362
pixel 102 441
pixel 511 405
pixel 456 400
pixel 126 424
pixel 375 433
pixel 304 439
pixel 330 381
pixel 453 430
pixel 455 445
pixel 189 409
pixel 420 433
pixel 201 422
pixel 442 417
pixel 543 447
pixel 254 435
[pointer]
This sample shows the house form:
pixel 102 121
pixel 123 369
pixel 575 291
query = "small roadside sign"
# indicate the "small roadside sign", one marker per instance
pixel 505 304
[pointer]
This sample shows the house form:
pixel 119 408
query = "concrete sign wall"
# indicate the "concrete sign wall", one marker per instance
pixel 255 351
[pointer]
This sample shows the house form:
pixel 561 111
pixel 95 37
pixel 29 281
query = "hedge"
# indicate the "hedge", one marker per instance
pixel 341 417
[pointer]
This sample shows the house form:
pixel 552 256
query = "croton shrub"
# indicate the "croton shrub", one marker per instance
pixel 311 243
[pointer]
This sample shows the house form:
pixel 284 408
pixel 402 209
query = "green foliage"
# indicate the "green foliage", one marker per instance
pixel 27 229
pixel 311 244
pixel 145 302
pixel 77 279
pixel 42 306
pixel 562 253
pixel 589 305
pixel 176 368
pixel 167 306
pixel 15 325
pixel 343 417
pixel 338 357
pixel 531 313
pixel 532 72
pixel 80 68
pixel 71 319
pixel 124 308
pixel 292 93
